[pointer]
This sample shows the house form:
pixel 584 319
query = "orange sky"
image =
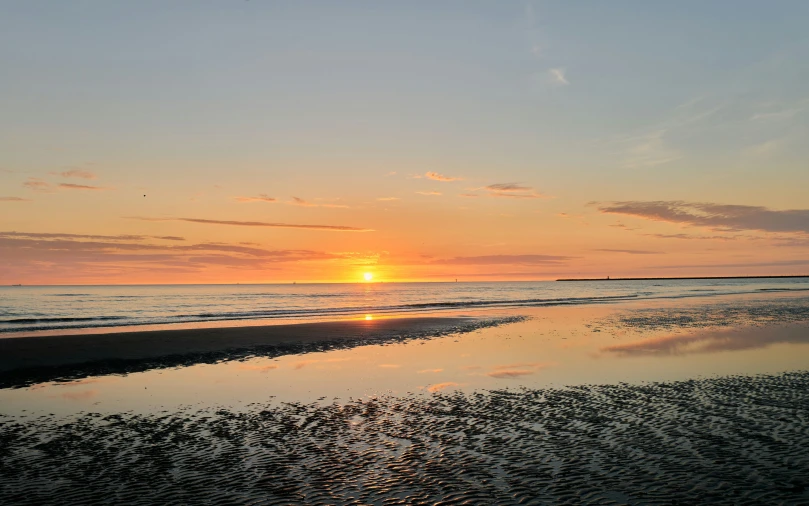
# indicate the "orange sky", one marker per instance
pixel 416 142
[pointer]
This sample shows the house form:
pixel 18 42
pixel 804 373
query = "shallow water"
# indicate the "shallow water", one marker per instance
pixel 555 346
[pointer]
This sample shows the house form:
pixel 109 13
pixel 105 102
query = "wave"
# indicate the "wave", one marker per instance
pixel 64 320
pixel 294 310
pixel 783 289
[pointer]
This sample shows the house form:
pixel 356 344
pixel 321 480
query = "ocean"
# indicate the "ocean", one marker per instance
pixel 44 308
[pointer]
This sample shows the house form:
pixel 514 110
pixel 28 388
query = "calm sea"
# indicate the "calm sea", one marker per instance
pixel 31 308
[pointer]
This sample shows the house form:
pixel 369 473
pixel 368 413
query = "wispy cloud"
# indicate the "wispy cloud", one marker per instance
pixel 504 260
pixel 510 374
pixel 429 193
pixel 37 185
pixel 723 217
pixel 691 237
pixel 71 186
pixel 14 199
pixel 558 76
pixel 387 199
pixel 48 235
pixel 435 176
pixel 297 201
pixel 262 197
pixel 331 228
pixel 630 251
pixel 73 254
pixel 510 190
pixel 79 173
pixel 649 150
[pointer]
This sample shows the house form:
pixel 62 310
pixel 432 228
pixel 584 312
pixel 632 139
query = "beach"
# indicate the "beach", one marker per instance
pixel 699 399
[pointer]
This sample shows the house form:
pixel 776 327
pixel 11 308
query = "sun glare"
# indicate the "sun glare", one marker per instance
pixel 368 276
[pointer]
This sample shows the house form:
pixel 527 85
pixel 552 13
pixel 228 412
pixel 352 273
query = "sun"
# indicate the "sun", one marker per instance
pixel 368 276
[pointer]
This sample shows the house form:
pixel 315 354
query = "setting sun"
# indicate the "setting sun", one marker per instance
pixel 368 276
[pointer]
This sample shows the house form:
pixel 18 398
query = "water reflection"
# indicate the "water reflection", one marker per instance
pixel 712 341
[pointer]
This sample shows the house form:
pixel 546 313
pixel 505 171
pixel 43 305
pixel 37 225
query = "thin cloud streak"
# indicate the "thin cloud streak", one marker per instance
pixel 504 260
pixel 83 174
pixel 14 199
pixel 331 228
pixel 512 191
pixel 722 217
pixel 435 176
pixel 629 251
pixel 71 186
pixel 297 201
pixel 37 185
pixel 48 235
pixel 260 198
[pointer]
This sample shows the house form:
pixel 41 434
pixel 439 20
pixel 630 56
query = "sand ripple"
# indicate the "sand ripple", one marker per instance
pixel 735 440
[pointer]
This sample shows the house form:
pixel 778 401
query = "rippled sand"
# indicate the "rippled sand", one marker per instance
pixel 733 440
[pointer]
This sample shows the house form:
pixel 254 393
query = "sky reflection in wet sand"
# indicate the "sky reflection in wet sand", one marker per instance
pixel 556 347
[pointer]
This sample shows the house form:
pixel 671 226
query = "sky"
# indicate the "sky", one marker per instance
pixel 254 141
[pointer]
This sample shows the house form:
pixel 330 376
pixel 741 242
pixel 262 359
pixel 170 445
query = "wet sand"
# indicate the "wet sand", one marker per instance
pixel 732 440
pixel 28 360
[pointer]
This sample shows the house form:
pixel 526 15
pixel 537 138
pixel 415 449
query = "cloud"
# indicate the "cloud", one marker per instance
pixel 71 257
pixel 300 202
pixel 37 185
pixel 512 190
pixel 692 237
pixel 468 195
pixel 260 198
pixel 389 366
pixel 45 235
pixel 441 386
pixel 508 187
pixel 558 76
pixel 14 199
pixel 649 150
pixel 630 251
pixel 429 193
pixel 778 263
pixel 509 374
pixel 714 216
pixel 424 371
pixel 435 176
pixel 504 260
pixel 71 186
pixel 331 228
pixel 386 199
pixel 535 365
pixel 79 173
